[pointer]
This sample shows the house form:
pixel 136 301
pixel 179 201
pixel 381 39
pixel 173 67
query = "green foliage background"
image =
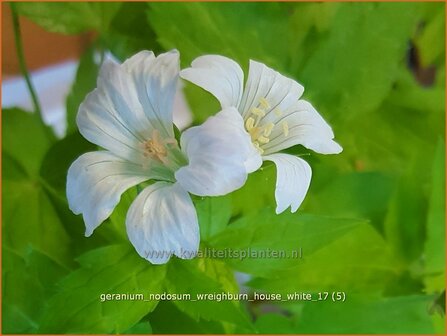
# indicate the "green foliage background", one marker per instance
pixel 372 224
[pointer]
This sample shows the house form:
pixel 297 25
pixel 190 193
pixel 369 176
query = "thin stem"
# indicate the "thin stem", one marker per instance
pixel 23 68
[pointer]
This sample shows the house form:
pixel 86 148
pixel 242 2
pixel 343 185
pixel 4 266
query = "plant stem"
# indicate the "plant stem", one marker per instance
pixel 23 68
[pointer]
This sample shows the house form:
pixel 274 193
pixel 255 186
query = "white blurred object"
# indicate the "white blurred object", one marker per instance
pixel 53 84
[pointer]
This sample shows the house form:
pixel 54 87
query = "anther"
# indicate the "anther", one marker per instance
pixel 258 112
pixel 264 103
pixel 285 128
pixel 249 123
pixel 263 139
pixel 277 112
pixel 268 129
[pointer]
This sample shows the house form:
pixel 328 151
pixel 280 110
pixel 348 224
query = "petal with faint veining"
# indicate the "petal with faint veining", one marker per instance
pixel 292 181
pixel 96 181
pixel 219 152
pixel 162 221
pixel 218 75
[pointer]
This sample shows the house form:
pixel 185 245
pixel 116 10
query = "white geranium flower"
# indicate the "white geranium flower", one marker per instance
pixel 273 115
pixel 129 115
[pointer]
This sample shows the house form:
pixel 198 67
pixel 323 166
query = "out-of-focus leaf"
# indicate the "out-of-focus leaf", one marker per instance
pixel 214 214
pixel 431 42
pixel 84 83
pixel 77 307
pixel 434 249
pixel 24 140
pixel 399 315
pixel 130 31
pixel 406 218
pixel 263 243
pixel 195 281
pixel 29 220
pixel 354 69
pixel 60 156
pixel 166 312
pixel 26 288
pixel 357 261
pixel 70 17
pixel 274 324
pixel 142 328
pixel 257 193
pixel 360 195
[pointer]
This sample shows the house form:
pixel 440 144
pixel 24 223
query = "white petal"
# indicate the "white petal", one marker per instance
pixel 162 221
pixel 218 75
pixel 129 102
pixel 292 182
pixel 305 127
pixel 218 152
pixel 263 82
pixel 95 183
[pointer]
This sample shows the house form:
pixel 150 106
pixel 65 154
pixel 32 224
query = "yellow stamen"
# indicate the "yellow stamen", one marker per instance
pixel 268 129
pixel 259 149
pixel 285 128
pixel 249 123
pixel 263 139
pixel 258 112
pixel 277 112
pixel 264 103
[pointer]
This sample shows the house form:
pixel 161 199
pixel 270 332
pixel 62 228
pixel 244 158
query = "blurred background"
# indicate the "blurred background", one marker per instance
pixel 372 225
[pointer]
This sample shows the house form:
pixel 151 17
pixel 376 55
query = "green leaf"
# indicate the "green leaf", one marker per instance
pixel 434 249
pixel 345 196
pixel 78 308
pixel 70 18
pixel 60 156
pixel 357 261
pixel 130 31
pixel 399 315
pixel 286 236
pixel 214 214
pixel 24 140
pixel 362 62
pixel 166 312
pixel 30 220
pixel 406 218
pixel 26 287
pixel 431 42
pixel 187 277
pixel 84 83
pixel 274 324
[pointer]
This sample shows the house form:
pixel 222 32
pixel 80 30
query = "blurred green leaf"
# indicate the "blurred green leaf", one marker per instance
pixel 166 312
pixel 431 41
pixel 26 288
pixel 274 324
pixel 84 83
pixel 214 214
pixel 186 277
pixel 405 221
pixel 435 243
pixel 355 261
pixel 353 70
pixel 400 315
pixel 24 140
pixel 285 235
pixel 77 307
pixel 130 31
pixel 70 17
pixel 346 196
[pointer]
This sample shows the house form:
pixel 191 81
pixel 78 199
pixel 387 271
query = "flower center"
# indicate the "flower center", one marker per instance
pixel 156 148
pixel 260 134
